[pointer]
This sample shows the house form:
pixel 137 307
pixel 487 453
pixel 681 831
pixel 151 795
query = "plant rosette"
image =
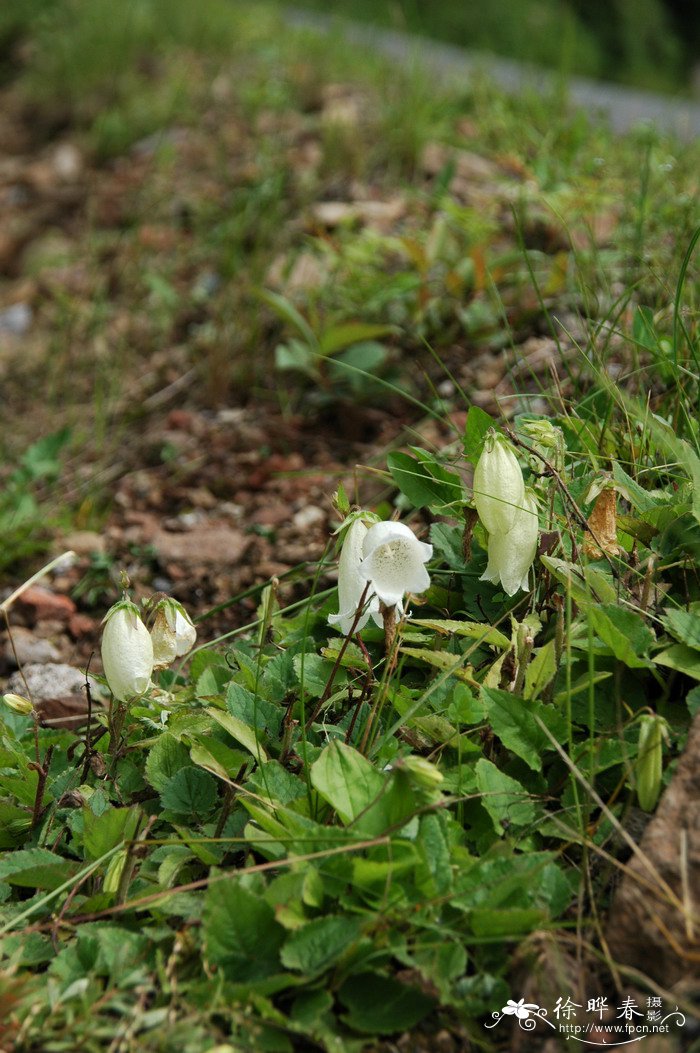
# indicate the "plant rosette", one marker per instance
pixel 127 651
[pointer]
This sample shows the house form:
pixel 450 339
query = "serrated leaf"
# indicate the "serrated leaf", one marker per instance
pixel 36 868
pixel 684 625
pixel 320 943
pixel 513 720
pixel 191 791
pixel 240 932
pixel 379 1004
pixel 505 799
pixel 313 672
pixel 164 759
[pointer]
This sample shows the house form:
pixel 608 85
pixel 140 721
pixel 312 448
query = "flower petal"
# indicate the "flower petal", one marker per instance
pixel 352 585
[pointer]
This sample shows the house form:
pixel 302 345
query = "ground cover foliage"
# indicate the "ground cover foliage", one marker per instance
pixel 294 842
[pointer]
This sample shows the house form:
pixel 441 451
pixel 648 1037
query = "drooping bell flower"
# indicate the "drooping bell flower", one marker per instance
pixel 352 586
pixel 173 633
pixel 498 485
pixel 511 554
pixel 127 651
pixel 394 563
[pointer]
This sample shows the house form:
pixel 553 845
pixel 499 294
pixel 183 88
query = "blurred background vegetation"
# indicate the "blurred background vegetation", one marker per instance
pixel 647 43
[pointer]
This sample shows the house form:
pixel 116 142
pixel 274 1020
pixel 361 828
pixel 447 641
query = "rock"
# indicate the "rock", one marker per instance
pixel 82 625
pixel 308 516
pixel 49 681
pixel 67 162
pixel 43 604
pixel 16 319
pixel 26 649
pixel 208 542
pixel 84 542
pixel 654 923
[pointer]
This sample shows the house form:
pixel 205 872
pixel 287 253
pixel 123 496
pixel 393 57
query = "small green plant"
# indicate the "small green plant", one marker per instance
pixel 24 525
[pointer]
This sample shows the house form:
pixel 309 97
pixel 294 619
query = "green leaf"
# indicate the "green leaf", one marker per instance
pixel 637 497
pixel 435 852
pixel 314 672
pixel 102 832
pixel 513 720
pixel 505 799
pixel 239 731
pixel 338 337
pixel 36 868
pixel 624 632
pixel 379 1004
pixel 275 783
pixel 541 670
pixel 320 943
pixel 478 424
pixel 587 584
pixel 165 758
pixel 424 481
pixel 485 634
pixel 515 921
pixel 289 314
pixel 216 757
pixel 191 791
pixel 240 932
pixel 346 780
pixel 684 625
pixel 681 657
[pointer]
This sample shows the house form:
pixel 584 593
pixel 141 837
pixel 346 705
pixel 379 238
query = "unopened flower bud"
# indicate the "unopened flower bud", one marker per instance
pixel 498 485
pixel 652 731
pixel 127 651
pixel 422 771
pixel 18 704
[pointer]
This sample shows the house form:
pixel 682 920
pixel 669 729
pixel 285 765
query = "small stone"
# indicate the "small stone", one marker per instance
pixel 25 648
pixel 43 604
pixel 16 319
pixel 49 680
pixel 85 542
pixel 207 543
pixel 81 625
pixel 308 516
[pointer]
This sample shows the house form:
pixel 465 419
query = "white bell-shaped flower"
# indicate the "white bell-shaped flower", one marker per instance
pixel 512 553
pixel 498 485
pixel 394 563
pixel 127 651
pixel 173 633
pixel 351 584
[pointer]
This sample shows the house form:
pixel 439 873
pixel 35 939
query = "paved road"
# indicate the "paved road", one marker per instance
pixel 624 108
